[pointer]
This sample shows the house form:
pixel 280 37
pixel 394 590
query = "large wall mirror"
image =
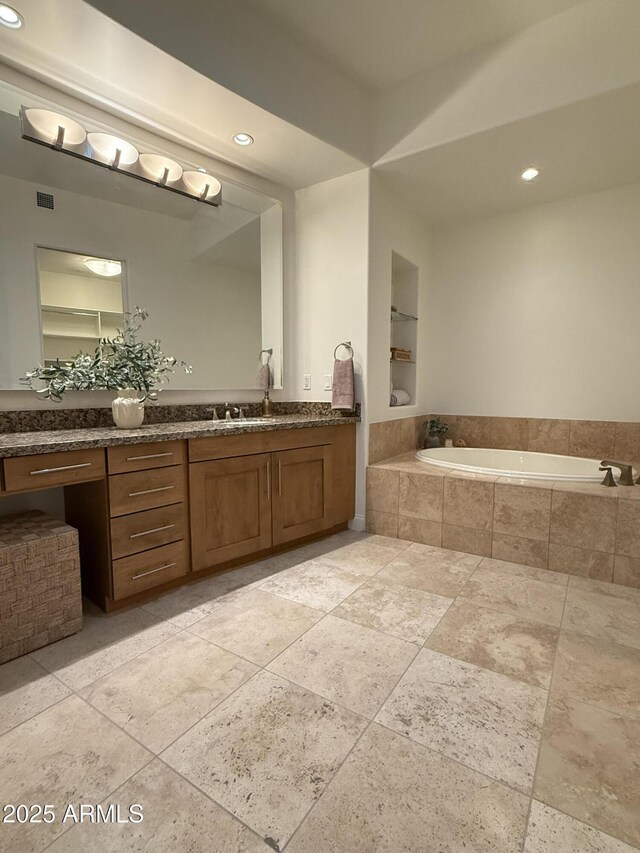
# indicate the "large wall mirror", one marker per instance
pixel 80 245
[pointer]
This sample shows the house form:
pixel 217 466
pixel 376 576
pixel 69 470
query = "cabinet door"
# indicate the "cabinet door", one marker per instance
pixel 230 508
pixel 301 492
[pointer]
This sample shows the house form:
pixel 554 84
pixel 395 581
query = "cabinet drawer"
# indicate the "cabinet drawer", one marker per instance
pixel 138 457
pixel 146 489
pixel 45 470
pixel 149 569
pixel 141 531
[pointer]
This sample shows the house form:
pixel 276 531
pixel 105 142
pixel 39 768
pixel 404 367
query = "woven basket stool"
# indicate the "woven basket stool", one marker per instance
pixel 40 598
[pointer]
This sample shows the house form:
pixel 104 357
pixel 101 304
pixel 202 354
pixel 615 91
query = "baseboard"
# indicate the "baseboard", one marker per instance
pixel 358 523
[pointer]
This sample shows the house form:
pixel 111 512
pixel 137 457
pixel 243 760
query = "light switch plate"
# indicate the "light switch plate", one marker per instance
pixel 306 384
pixel 328 382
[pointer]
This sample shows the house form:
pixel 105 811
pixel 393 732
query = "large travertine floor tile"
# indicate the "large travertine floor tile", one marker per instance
pixel 188 604
pixel 25 690
pixel 410 614
pixel 505 643
pixel 395 796
pixel 603 610
pixel 433 570
pixel 518 570
pixel 104 643
pixel 347 663
pixel 598 671
pixel 551 831
pixel 589 767
pixel 258 626
pixel 366 557
pixel 510 593
pixel 485 720
pixel 182 679
pixel 316 584
pixel 67 754
pixel 177 817
pixel 267 753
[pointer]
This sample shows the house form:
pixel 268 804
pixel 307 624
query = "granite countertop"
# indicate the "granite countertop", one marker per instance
pixel 27 443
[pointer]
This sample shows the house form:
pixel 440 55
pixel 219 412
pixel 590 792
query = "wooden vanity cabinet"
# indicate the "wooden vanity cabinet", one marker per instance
pixel 302 492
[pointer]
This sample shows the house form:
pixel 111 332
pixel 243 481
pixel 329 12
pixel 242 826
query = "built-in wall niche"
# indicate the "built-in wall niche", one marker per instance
pixel 404 328
pixel 81 301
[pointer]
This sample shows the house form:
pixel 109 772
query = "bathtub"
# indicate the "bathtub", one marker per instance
pixel 514 463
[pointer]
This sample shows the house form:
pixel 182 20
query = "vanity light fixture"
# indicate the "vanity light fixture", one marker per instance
pixel 243 139
pixel 9 17
pixel 530 174
pixel 57 131
pixel 202 184
pixel 112 150
pixel 161 169
pixel 99 266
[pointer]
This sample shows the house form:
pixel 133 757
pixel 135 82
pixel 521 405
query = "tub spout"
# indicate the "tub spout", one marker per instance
pixel 626 471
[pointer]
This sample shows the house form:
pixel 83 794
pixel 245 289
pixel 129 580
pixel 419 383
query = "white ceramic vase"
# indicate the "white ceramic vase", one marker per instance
pixel 128 409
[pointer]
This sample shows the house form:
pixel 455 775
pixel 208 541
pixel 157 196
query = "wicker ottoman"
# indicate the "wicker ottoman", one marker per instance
pixel 40 599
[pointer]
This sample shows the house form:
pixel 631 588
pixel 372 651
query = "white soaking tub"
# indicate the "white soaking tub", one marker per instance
pixel 514 463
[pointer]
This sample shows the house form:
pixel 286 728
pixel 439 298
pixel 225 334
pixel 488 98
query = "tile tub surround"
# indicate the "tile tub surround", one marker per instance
pixel 40 420
pixel 581 529
pixel 391 718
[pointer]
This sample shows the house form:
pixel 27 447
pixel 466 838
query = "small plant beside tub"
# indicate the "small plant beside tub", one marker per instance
pixel 135 369
pixel 435 430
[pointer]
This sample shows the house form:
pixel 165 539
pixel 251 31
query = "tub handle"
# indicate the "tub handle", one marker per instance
pixel 626 471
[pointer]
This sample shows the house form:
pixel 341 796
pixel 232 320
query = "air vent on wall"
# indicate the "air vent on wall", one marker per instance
pixel 44 200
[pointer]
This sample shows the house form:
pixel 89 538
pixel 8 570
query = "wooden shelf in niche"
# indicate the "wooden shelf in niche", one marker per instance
pixel 404 323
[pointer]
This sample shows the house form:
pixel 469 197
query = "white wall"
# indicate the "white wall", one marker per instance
pixel 535 313
pixel 330 300
pixel 394 228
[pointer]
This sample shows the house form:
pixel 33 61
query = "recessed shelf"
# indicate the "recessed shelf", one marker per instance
pixel 399 317
pixel 400 361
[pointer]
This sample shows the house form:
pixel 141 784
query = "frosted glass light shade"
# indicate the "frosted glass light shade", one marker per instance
pixel 197 181
pixel 106 147
pixel 154 166
pixel 48 123
pixel 100 266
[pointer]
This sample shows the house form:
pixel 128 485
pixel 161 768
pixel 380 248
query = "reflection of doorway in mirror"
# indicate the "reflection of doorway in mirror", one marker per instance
pixel 81 301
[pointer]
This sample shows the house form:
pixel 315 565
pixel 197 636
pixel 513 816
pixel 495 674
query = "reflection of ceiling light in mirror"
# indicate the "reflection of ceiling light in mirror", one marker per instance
pixel 48 124
pixel 243 139
pixel 155 165
pixel 530 174
pixel 107 147
pixel 10 18
pixel 104 268
pixel 199 181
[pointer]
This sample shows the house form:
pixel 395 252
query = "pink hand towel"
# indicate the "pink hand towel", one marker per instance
pixel 343 396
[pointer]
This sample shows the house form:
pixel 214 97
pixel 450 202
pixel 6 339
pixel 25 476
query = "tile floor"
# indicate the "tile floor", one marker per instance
pixel 358 695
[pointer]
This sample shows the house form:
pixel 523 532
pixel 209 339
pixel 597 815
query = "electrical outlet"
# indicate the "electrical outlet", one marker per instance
pixel 328 382
pixel 306 386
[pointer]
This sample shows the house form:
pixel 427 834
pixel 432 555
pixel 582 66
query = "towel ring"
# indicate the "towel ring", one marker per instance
pixel 347 345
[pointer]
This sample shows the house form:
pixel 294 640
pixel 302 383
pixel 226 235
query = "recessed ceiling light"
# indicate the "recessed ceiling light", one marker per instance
pixel 243 139
pixel 99 266
pixel 530 174
pixel 10 18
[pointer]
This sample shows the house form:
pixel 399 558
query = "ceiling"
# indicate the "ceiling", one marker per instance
pixel 380 42
pixel 581 148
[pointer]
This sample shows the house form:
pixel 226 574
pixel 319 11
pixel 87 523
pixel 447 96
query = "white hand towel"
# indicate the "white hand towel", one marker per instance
pixel 264 379
pixel 400 397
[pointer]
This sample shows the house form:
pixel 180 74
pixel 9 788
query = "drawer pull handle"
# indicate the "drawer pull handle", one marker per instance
pixel 150 491
pixel 153 530
pixel 61 468
pixel 152 571
pixel 149 456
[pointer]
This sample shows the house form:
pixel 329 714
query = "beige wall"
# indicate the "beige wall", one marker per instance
pixel 535 313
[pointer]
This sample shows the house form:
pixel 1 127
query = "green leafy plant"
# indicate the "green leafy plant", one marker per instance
pixel 437 427
pixel 117 363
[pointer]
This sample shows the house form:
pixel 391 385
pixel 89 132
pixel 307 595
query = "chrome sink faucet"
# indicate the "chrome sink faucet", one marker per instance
pixel 231 412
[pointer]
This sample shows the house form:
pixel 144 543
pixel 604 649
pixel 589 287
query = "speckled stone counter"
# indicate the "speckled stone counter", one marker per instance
pixel 27 443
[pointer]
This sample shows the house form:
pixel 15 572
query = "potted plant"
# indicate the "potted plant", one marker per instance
pixel 435 430
pixel 134 369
